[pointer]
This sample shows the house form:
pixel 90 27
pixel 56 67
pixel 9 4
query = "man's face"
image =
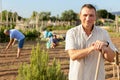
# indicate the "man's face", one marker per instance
pixel 87 17
pixel 6 33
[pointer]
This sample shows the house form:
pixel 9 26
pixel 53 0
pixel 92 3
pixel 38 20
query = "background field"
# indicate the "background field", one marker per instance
pixel 9 64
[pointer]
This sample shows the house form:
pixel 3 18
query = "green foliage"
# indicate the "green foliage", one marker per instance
pixel 111 16
pixel 39 67
pixel 34 14
pixel 31 34
pixel 3 37
pixel 105 14
pixel 98 22
pixel 69 16
pixel 102 13
pixel 54 72
pixel 44 15
pixel 114 34
pixel 59 27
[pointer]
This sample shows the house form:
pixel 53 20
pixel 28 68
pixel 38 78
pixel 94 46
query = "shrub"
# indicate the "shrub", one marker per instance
pixel 114 34
pixel 39 67
pixel 31 34
pixel 59 27
pixel 3 37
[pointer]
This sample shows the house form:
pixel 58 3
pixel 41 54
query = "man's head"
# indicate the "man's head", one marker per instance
pixel 6 32
pixel 88 15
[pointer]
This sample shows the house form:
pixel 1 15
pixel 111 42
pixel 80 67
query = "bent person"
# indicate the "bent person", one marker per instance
pixel 15 35
pixel 83 44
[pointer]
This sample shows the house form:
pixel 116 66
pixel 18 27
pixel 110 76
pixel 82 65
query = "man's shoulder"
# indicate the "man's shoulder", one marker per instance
pixel 13 30
pixel 100 29
pixel 74 28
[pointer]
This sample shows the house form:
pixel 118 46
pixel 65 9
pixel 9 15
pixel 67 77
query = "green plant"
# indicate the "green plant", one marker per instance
pixel 3 37
pixel 114 34
pixel 59 27
pixel 39 67
pixel 31 34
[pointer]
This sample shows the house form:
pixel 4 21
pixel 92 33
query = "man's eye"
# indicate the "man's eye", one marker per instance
pixel 91 15
pixel 85 15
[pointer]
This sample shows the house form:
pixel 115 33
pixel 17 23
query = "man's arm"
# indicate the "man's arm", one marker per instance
pixel 108 54
pixel 98 45
pixel 79 54
pixel 10 43
pixel 13 42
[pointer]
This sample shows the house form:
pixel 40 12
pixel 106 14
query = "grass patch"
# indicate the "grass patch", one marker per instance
pixel 114 34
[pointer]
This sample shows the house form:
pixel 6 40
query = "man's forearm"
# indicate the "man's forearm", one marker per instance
pixel 13 42
pixel 9 44
pixel 79 54
pixel 109 54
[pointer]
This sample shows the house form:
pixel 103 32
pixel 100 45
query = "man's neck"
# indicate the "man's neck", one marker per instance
pixel 88 30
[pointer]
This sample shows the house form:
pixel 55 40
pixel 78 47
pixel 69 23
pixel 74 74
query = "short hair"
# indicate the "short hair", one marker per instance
pixel 90 6
pixel 6 30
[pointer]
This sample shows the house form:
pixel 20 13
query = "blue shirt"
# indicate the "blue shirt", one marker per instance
pixel 46 34
pixel 16 34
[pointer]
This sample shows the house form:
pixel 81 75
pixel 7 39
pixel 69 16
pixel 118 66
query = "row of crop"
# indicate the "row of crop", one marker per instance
pixel 39 67
pixel 59 27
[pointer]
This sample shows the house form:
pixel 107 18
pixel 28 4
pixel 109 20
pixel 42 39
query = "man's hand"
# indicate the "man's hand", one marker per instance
pixel 98 45
pixel 107 52
pixel 12 44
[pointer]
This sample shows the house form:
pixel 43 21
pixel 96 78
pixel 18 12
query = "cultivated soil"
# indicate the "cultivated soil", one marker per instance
pixel 9 64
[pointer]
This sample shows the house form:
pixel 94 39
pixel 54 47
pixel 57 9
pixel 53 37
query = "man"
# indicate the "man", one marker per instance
pixel 15 35
pixel 83 44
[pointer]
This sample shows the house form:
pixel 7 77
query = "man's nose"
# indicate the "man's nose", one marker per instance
pixel 88 18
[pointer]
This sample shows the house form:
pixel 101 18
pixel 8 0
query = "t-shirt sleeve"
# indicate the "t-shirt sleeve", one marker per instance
pixel 11 35
pixel 70 40
pixel 112 46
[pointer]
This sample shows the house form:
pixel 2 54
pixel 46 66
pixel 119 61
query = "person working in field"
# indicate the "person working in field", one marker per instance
pixel 15 35
pixel 54 41
pixel 83 44
pixel 49 39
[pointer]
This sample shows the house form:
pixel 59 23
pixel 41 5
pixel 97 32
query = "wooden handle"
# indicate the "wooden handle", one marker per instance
pixel 97 67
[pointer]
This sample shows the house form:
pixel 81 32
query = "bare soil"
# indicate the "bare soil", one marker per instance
pixel 9 64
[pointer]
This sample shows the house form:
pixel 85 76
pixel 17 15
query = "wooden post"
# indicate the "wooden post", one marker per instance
pixel 37 21
pixel 117 64
pixel 116 20
pixel 7 19
pixel 118 72
pixel 114 70
pixel 1 11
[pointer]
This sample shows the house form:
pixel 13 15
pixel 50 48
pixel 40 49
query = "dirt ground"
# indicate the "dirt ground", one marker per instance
pixel 9 64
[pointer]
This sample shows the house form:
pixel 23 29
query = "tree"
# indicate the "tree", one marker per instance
pixel 4 14
pixel 44 16
pixel 53 18
pixel 105 14
pixel 69 16
pixel 15 16
pixel 34 14
pixel 102 13
pixel 111 16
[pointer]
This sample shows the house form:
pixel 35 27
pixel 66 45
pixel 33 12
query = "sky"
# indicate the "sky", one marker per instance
pixel 25 8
